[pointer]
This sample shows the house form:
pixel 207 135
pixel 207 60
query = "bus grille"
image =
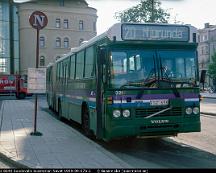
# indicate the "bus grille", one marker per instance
pixel 176 111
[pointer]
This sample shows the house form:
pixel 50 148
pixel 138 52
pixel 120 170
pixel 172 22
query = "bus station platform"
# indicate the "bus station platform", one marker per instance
pixel 60 146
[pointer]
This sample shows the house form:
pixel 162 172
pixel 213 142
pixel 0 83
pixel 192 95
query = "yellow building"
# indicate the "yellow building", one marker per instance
pixel 70 22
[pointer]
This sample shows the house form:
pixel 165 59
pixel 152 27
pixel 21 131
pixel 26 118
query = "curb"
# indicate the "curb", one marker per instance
pixel 208 113
pixel 12 162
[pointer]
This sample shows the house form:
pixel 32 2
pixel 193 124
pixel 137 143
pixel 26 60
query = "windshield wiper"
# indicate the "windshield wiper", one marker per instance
pixel 185 81
pixel 133 84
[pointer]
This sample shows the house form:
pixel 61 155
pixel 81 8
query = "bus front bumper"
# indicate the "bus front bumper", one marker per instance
pixel 151 130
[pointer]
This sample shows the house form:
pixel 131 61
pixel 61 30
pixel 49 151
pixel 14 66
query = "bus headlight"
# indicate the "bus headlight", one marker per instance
pixel 116 113
pixel 188 111
pixel 195 110
pixel 126 113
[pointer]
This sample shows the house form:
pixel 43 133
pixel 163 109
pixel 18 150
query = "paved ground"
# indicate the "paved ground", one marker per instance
pixel 63 147
pixel 206 139
pixel 59 147
pixel 208 108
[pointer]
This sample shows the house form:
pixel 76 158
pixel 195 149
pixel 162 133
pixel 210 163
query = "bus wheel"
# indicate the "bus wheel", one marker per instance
pixel 86 122
pixel 21 96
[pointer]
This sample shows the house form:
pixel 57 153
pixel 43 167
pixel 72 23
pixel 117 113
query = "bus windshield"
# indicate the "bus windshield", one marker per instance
pixel 135 68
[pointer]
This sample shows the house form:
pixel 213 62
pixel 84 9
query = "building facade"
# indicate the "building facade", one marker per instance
pixel 9 38
pixel 206 48
pixel 69 24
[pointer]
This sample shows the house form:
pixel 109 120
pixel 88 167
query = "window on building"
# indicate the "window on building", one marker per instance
pixel 42 61
pixel 81 25
pixel 199 38
pixel 66 42
pixel 80 41
pixel 42 41
pixel 58 23
pixel 58 42
pixel 204 37
pixel 3 62
pixel 202 50
pixel 206 49
pixel 94 26
pixel 66 24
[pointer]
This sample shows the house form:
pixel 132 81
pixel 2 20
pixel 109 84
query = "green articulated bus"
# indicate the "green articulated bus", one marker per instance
pixel 132 80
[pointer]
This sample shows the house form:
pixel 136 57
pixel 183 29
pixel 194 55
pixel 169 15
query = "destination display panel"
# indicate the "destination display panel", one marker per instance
pixel 153 32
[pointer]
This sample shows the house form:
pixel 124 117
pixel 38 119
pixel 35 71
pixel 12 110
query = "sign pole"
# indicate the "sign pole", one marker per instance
pixel 38 21
pixel 36 133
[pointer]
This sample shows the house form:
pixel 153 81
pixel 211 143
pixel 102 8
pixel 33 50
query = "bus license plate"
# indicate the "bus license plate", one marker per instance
pixel 161 102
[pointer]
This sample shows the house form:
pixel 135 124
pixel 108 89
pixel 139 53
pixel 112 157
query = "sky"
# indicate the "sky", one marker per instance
pixel 194 12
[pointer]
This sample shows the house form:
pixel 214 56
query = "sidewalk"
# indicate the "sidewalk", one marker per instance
pixel 60 146
pixel 209 95
pixel 208 108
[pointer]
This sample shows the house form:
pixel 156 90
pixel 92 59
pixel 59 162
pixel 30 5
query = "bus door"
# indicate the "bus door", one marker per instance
pixel 100 82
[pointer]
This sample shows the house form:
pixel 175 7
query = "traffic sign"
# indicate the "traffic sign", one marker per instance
pixel 38 20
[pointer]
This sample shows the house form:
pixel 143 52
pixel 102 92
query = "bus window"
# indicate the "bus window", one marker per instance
pixel 119 65
pixel 61 70
pixel 179 64
pixel 57 72
pixel 79 65
pixel 72 67
pixel 131 64
pixel 134 63
pixel 66 69
pixel 190 67
pixel 89 63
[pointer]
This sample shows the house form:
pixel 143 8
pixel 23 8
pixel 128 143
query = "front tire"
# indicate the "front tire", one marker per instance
pixel 21 96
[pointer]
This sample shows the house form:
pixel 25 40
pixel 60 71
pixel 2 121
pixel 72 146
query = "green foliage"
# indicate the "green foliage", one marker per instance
pixel 212 67
pixel 143 13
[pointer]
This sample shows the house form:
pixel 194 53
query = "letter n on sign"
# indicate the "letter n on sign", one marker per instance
pixel 38 20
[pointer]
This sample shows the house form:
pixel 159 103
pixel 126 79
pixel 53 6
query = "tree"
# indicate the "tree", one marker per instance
pixel 212 67
pixel 145 11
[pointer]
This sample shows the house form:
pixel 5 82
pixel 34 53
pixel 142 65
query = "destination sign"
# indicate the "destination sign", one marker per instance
pixel 153 32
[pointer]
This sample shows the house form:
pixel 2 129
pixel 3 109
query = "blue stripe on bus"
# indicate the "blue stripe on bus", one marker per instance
pixel 128 105
pixel 78 101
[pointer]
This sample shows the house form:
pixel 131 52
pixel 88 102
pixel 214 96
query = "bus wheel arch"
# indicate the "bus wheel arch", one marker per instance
pixel 59 109
pixel 86 120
